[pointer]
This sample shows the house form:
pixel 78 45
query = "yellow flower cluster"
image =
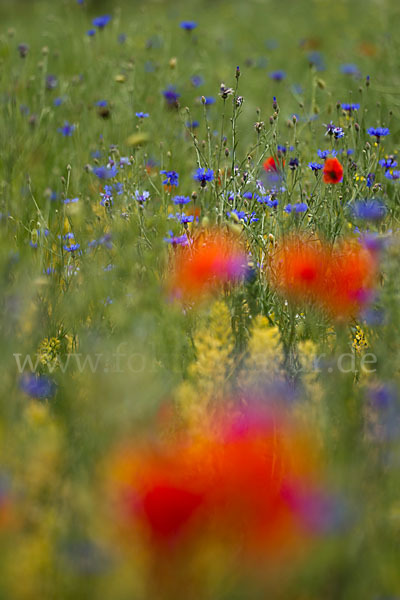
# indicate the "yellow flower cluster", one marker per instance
pixel 264 360
pixel 208 376
pixel 48 350
pixel 360 341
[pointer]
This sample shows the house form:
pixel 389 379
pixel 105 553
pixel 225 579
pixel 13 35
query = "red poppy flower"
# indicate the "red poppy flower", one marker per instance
pixel 236 481
pixel 333 171
pixel 338 280
pixel 270 164
pixel 210 261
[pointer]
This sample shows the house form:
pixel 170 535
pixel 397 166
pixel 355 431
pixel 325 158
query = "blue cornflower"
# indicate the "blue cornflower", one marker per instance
pixel 192 124
pixel 101 103
pixel 316 59
pixel 247 195
pixel 58 101
pixel 314 166
pixel 141 197
pixel 369 210
pixel 105 240
pixel 67 130
pixel 105 172
pixel 37 386
pixel 300 207
pixel 171 95
pixel 370 179
pixel 349 69
pixel 288 209
pixel 263 199
pixel 203 175
pixel 293 163
pixel 329 128
pixel 102 21
pixel 378 132
pixel 388 163
pixel 323 154
pixel 208 100
pixel 197 80
pixel 51 82
pixel 277 75
pixel 338 133
pixel 373 316
pixel 297 88
pixel 350 107
pixel 188 25
pixel 107 199
pixel 91 32
pixel 23 50
pixel 171 178
pixel 182 218
pixel 124 161
pixel 181 200
pixel 142 115
pixel 176 240
pixel 281 149
pixel 122 38
pixel 71 200
pixel 242 216
pixel 72 247
pixel 392 175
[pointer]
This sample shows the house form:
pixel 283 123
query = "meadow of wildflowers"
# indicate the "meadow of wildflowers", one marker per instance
pixel 200 293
